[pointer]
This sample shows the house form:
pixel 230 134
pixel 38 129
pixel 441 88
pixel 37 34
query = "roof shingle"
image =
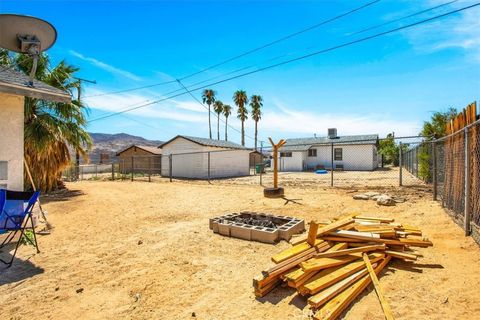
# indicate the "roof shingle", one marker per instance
pixel 208 142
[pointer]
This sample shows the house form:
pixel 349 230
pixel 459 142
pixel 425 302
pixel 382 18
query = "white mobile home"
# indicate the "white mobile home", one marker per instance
pixel 351 153
pixel 200 158
pixel 13 90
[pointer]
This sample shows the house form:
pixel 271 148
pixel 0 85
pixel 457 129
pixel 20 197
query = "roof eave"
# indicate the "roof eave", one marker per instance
pixel 33 92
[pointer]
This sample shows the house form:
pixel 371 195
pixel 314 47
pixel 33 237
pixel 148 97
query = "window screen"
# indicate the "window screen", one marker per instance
pixel 338 154
pixel 312 152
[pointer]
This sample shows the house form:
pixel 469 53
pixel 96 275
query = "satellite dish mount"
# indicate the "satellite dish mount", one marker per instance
pixel 28 35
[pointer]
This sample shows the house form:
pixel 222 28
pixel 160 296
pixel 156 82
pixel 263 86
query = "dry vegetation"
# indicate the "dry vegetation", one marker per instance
pixel 144 251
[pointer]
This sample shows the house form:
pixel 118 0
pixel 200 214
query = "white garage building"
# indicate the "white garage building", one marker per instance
pixel 200 158
pixel 352 153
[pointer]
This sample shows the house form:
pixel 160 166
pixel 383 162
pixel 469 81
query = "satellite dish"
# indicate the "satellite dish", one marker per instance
pixel 29 35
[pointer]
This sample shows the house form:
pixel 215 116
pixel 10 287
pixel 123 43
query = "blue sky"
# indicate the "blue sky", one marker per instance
pixel 391 83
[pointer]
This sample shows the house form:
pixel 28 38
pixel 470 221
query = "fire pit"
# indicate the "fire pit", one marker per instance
pixel 255 226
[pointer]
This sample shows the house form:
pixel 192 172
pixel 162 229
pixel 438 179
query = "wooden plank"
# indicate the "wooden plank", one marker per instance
pixel 293 251
pixel 312 233
pixel 334 308
pixel 334 226
pixel 348 233
pixel 307 254
pixel 385 306
pixel 401 255
pixel 374 218
pixel 261 292
pixel 322 297
pixel 330 276
pixel 398 242
pixel 348 251
pixel 324 263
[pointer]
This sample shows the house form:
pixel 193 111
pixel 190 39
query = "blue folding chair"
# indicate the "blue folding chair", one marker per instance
pixel 16 212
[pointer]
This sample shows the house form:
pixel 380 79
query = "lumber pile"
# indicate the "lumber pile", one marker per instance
pixel 337 261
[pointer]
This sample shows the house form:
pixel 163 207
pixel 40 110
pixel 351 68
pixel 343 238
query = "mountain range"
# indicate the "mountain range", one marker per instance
pixel 105 143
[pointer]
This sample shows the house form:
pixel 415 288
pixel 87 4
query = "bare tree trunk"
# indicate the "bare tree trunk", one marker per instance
pixel 226 125
pixel 209 122
pixel 256 132
pixel 243 133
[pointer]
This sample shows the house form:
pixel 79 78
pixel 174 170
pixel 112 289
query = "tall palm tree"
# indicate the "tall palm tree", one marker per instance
pixel 227 111
pixel 218 108
pixel 256 103
pixel 51 129
pixel 208 97
pixel 240 98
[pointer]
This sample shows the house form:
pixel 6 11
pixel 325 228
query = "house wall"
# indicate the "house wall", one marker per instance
pixel 190 160
pixel 294 163
pixel 11 141
pixel 142 161
pixel 354 158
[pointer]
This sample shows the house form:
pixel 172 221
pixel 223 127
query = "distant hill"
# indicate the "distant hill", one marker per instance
pixel 112 143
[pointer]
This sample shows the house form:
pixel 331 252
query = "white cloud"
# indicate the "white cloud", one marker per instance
pixel 459 31
pixel 187 111
pixel 288 121
pixel 105 66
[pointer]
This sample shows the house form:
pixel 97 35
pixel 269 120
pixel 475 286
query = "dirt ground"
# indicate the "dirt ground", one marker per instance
pixel 137 250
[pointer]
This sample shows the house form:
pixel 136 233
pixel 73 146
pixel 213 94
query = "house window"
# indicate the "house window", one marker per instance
pixel 312 152
pixel 3 170
pixel 338 154
pixel 285 154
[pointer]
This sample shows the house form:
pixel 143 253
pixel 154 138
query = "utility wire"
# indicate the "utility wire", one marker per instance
pixel 402 18
pixel 298 58
pixel 269 44
pixel 280 56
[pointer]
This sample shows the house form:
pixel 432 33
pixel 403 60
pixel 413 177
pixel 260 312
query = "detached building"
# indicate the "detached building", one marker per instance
pixel 200 158
pixel 352 153
pixel 141 158
pixel 13 90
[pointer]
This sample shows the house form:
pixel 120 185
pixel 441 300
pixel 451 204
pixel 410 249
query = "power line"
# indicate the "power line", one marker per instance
pixel 297 59
pixel 402 18
pixel 269 44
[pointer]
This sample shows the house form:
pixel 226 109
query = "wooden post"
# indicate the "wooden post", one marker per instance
pixel 275 191
pixel 434 170
pixel 400 182
pixel 467 184
pixel 331 159
pixel 312 233
pixel 131 171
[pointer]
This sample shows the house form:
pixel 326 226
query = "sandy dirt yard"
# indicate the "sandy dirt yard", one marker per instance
pixel 137 250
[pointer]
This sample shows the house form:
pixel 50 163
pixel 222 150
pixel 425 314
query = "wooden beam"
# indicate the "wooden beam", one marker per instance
pixel 324 263
pixel 349 251
pixel 333 308
pixel 330 276
pixel 293 251
pixel 312 233
pixel 385 306
pixel 401 255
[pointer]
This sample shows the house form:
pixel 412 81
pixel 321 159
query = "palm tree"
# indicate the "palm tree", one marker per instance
pixel 240 98
pixel 218 108
pixel 227 111
pixel 51 129
pixel 208 97
pixel 256 103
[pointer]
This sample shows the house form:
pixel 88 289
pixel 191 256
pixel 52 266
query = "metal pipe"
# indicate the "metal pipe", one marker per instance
pixel 331 172
pixel 467 184
pixel 400 151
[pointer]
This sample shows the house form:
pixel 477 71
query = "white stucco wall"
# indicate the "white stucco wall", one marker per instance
pixel 227 163
pixel 294 163
pixel 354 158
pixel 11 139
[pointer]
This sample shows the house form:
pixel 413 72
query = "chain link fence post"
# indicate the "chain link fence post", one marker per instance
pixel 131 169
pixel 331 172
pixel 149 169
pixel 434 170
pixel 208 169
pixel 113 171
pixel 467 183
pixel 400 155
pixel 170 165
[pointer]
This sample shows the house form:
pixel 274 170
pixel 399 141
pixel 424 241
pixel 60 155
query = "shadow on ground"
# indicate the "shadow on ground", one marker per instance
pixel 61 195
pixel 20 270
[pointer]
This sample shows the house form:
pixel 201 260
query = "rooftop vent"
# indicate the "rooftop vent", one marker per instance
pixel 332 133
